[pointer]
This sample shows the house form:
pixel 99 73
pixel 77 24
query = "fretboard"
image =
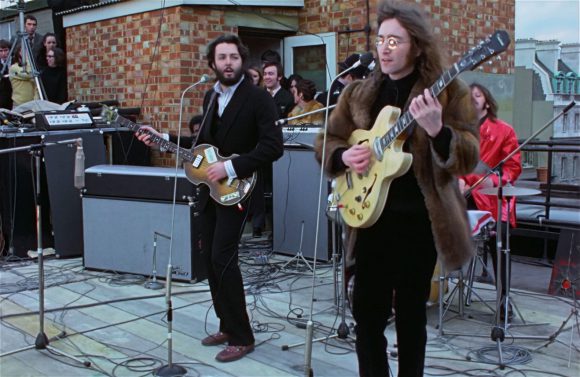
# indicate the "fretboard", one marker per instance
pixel 167 145
pixel 407 119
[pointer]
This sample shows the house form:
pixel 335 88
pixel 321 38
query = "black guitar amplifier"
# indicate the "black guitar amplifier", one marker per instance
pixel 137 182
pixel 63 120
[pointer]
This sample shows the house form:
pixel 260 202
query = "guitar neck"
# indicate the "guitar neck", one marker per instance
pixel 185 154
pixel 407 119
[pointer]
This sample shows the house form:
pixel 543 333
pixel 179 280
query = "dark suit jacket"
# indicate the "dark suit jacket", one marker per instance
pixel 247 128
pixel 36 45
pixel 5 89
pixel 284 102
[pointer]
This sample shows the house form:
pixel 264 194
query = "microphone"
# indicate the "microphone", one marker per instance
pixel 79 174
pixel 204 78
pixel 365 60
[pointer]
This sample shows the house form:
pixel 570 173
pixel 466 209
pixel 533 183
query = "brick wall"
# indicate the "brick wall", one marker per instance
pixel 113 59
pixel 459 24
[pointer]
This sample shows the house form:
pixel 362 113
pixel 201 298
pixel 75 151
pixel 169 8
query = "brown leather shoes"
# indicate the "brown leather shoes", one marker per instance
pixel 233 353
pixel 215 339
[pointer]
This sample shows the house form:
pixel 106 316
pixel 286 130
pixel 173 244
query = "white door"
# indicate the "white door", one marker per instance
pixel 311 56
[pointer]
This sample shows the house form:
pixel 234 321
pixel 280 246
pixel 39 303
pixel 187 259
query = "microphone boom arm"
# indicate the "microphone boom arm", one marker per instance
pixel 286 120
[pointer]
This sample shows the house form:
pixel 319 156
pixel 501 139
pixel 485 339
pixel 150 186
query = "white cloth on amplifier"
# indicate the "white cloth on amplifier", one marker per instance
pixel 40 105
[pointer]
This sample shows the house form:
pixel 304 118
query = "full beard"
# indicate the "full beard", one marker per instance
pixel 229 81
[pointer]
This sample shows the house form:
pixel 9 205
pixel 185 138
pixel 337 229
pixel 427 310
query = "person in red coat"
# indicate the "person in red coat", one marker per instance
pixel 497 139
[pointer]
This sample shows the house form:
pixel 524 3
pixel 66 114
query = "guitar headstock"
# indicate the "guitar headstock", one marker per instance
pixel 494 45
pixel 109 114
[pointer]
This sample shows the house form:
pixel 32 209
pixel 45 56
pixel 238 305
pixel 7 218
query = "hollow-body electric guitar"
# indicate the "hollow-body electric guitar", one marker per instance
pixel 196 161
pixel 361 198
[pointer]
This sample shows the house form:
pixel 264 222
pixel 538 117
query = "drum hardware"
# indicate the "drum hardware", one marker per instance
pixel 498 331
pixel 480 223
pixel 482 250
pixel 500 325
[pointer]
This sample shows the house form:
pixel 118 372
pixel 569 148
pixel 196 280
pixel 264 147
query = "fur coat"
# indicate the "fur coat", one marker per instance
pixel 436 177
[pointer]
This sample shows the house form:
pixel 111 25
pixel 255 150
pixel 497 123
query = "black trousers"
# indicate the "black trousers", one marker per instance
pixel 220 236
pixel 402 266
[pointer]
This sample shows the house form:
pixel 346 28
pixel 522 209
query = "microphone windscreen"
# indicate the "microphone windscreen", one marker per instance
pixel 204 78
pixel 367 59
pixel 79 173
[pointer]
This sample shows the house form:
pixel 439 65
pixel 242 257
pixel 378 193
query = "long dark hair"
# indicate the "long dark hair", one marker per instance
pixel 489 100
pixel 307 88
pixel 227 38
pixel 59 57
pixel 429 62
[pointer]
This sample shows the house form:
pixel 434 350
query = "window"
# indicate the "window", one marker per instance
pixel 311 56
pixel 577 122
pixel 575 167
pixel 565 123
pixel 563 164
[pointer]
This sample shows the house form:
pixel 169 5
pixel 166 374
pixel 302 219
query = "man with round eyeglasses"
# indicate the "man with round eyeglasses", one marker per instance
pixel 424 216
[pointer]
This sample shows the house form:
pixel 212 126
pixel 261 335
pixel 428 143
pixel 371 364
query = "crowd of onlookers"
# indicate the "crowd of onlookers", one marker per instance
pixel 31 64
pixel 25 72
pixel 295 95
pixel 297 100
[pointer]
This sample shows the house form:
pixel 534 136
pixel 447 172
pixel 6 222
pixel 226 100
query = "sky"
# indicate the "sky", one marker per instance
pixel 548 19
pixel 538 19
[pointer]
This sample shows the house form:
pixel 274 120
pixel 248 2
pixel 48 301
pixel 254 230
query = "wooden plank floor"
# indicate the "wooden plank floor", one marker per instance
pixel 119 326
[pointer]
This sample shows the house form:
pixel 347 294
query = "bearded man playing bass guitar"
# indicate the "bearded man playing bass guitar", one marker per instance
pixel 238 119
pixel 425 213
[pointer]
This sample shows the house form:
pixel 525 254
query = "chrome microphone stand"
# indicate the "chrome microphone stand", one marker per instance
pixel 42 342
pixel 367 60
pixel 172 370
pixel 343 331
pixel 153 283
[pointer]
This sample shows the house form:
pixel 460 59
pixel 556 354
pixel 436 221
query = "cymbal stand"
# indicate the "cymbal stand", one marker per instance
pixel 498 332
pixel 299 257
pixel 42 342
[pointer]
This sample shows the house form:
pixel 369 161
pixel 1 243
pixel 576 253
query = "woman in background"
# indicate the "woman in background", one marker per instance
pixel 21 79
pixel 255 73
pixel 48 43
pixel 54 76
